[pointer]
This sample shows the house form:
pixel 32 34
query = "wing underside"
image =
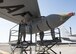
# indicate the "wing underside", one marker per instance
pixel 17 10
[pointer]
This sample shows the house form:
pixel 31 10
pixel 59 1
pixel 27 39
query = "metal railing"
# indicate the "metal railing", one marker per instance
pixel 13 33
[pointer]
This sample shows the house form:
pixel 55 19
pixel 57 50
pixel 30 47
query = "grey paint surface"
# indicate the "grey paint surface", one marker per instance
pixel 21 6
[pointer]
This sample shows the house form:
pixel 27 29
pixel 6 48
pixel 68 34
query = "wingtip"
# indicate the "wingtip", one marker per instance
pixel 71 14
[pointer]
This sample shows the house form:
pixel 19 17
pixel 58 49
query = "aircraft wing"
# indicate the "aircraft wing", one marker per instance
pixel 17 10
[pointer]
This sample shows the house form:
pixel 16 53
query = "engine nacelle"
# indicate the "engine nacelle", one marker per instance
pixel 51 21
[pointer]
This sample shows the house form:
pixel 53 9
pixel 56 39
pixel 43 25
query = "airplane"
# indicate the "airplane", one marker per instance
pixel 26 13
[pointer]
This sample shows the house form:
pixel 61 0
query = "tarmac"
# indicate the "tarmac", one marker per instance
pixel 63 49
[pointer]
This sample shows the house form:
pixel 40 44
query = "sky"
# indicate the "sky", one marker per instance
pixel 46 7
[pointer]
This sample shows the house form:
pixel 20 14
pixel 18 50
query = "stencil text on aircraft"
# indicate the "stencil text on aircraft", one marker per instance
pixel 11 9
